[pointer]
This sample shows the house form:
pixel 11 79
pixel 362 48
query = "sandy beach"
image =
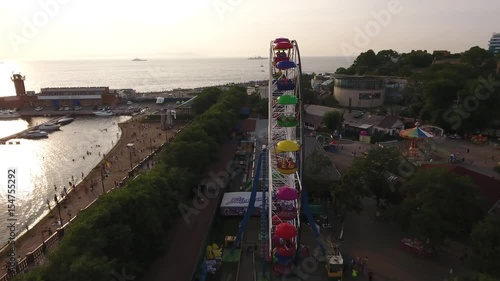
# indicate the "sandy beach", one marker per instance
pixel 142 135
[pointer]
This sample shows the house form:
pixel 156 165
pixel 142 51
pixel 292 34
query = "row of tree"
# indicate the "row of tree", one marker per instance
pixel 127 229
pixel 433 204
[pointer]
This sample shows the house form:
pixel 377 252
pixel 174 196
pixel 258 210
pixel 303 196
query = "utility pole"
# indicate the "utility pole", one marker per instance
pixel 102 179
pixel 58 209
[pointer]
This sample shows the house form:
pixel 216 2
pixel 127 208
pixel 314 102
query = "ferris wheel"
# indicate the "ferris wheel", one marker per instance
pixel 284 154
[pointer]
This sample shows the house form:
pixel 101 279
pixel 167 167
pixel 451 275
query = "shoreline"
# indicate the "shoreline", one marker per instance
pixel 81 196
pixel 70 191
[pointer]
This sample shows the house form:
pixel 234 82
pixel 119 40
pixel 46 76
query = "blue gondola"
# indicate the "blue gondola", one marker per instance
pixel 285 65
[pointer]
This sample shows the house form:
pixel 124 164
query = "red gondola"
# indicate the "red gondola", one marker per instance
pixel 283 45
pixel 281 39
pixel 285 230
pixel 286 250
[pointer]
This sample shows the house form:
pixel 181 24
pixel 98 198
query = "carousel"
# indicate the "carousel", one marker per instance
pixel 414 135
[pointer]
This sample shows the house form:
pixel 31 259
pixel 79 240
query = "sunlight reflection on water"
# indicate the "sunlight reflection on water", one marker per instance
pixel 41 164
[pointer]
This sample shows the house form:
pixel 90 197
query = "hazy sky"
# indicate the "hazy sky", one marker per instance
pixel 64 29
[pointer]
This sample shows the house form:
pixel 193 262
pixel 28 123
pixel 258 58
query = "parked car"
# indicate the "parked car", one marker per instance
pixel 78 108
pixel 38 108
pixel 67 108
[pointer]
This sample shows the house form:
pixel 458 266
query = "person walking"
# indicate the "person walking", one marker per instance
pixel 354 273
pixel 370 275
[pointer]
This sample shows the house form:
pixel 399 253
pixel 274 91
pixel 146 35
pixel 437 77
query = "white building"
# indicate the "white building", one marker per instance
pixel 359 91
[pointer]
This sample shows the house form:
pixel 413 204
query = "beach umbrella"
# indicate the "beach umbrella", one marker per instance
pixel 287 193
pixel 415 133
pixel 286 230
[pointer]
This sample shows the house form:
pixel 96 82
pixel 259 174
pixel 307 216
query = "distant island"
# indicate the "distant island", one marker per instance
pixel 138 59
pixel 257 58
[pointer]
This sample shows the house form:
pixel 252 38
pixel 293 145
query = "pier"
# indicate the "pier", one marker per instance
pixel 57 115
pixel 6 140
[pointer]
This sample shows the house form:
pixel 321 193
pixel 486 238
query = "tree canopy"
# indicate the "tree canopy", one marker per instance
pixel 486 244
pixel 333 120
pixel 434 205
pixel 366 176
pixel 318 172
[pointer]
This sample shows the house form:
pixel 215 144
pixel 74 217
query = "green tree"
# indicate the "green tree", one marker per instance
pixel 367 59
pixel 318 172
pixel 206 99
pixel 476 57
pixel 333 120
pixel 348 193
pixel 375 169
pixel 486 243
pixel 341 70
pixel 417 59
pixel 424 213
pixel 387 55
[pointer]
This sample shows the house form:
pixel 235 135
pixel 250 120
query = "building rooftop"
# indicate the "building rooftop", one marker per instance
pixel 362 120
pixel 356 77
pixel 327 82
pixel 65 89
pixel 388 122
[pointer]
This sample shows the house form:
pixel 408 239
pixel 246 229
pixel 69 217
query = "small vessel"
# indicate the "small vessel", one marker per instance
pixel 35 134
pixel 257 58
pixel 64 121
pixel 49 127
pixel 8 114
pixel 138 59
pixel 103 113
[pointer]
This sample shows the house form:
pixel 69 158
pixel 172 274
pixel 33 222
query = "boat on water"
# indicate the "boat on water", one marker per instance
pixel 35 134
pixel 64 121
pixel 104 113
pixel 9 114
pixel 49 127
pixel 257 58
pixel 138 59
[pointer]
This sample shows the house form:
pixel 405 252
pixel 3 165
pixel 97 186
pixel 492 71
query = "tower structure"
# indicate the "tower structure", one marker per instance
pixel 18 80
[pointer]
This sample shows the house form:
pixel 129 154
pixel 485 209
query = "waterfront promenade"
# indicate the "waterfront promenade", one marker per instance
pixel 144 136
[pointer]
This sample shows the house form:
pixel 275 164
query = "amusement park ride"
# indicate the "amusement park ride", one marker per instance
pixel 279 171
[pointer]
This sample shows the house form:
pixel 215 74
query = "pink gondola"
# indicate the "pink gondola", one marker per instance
pixel 287 193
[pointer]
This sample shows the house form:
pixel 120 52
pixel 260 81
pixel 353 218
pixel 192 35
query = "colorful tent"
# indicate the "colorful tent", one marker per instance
pixel 415 133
